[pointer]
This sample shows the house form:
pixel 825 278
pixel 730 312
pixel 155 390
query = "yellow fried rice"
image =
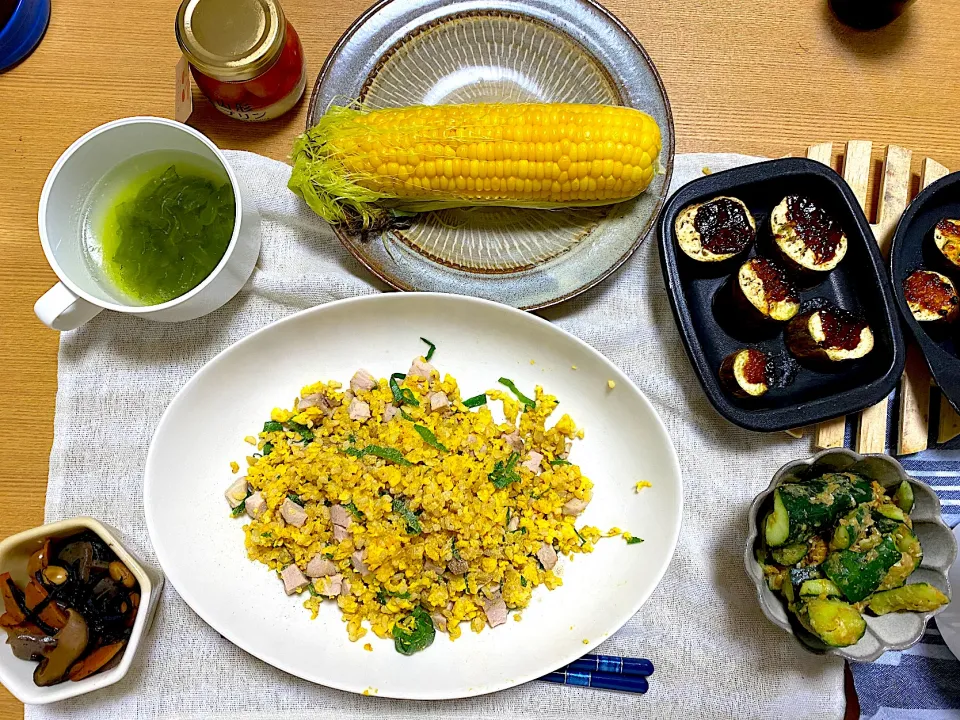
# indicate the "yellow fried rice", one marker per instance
pixel 461 520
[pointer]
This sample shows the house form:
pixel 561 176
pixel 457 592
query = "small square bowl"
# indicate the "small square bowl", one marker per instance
pixel 17 675
pixel 859 284
pixel 896 631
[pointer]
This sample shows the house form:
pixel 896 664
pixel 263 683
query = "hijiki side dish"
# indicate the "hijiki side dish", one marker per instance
pixel 412 507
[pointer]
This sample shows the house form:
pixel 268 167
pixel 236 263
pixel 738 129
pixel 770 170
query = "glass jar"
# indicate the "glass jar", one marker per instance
pixel 245 56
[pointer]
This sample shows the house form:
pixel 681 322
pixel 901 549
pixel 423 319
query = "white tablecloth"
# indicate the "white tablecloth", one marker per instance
pixel 716 656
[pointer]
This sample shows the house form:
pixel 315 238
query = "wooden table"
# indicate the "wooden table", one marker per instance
pixel 767 78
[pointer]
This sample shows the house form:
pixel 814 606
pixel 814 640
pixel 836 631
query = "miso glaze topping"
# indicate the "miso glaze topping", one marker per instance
pixel 814 226
pixel 723 226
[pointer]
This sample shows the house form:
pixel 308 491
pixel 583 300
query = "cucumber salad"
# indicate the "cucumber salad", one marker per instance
pixel 837 546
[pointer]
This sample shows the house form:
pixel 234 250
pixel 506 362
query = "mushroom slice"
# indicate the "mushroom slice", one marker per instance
pixel 71 642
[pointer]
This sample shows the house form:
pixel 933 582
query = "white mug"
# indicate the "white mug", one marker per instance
pixel 80 295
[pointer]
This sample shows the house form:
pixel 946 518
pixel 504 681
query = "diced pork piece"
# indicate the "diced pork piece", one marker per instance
pixel 513 524
pixel 514 440
pixel 574 506
pixel 294 581
pixel 439 621
pixel 319 566
pixel 340 533
pixel 345 588
pixel 439 400
pixel 330 585
pixel 293 513
pixel 237 492
pixel 420 368
pixel 431 566
pixel 359 410
pixel 458 566
pixel 547 556
pixel 357 560
pixel 339 515
pixel 255 505
pixel 362 380
pixel 390 412
pixel 496 611
pixel 317 400
pixel 532 463
pixel 471 439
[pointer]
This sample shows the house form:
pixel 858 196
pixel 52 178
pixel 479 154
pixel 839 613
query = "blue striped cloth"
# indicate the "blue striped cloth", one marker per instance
pixel 923 682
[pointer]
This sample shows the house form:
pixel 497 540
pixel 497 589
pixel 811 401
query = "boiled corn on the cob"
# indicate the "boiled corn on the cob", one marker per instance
pixel 353 163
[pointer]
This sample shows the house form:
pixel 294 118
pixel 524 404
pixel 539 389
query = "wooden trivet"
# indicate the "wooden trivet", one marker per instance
pixel 895 194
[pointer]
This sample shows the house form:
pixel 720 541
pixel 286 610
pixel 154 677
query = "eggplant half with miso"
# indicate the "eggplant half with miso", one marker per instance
pixel 838 545
pixel 810 242
pixel 76 612
pixel 715 231
pixel 828 334
pixel 745 373
pixel 946 236
pixel 931 297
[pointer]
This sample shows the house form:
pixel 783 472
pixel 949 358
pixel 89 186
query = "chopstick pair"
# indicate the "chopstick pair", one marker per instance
pixel 605 672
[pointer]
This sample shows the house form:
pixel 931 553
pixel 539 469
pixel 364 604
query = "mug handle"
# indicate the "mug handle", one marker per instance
pixel 60 309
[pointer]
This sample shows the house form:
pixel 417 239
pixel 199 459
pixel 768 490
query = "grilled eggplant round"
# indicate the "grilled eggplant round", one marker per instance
pixel 828 334
pixel 810 242
pixel 715 231
pixel 946 235
pixel 763 292
pixel 745 373
pixel 931 297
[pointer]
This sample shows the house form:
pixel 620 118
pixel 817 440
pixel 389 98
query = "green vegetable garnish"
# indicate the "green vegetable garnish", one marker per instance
pixel 306 434
pixel 295 499
pixel 520 396
pixel 382 596
pixel 433 349
pixel 413 522
pixel 165 231
pixel 380 452
pixel 266 535
pixel 313 590
pixel 407 642
pixel 476 401
pixel 272 426
pixel 503 473
pixel 523 581
pixel 582 539
pixel 406 416
pixel 634 541
pixel 354 511
pixel 401 396
pixel 453 549
pixel 429 438
pixel 238 510
pixel 267 448
pixel 560 461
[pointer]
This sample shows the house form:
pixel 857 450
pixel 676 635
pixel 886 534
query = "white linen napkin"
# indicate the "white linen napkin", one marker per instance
pixel 716 656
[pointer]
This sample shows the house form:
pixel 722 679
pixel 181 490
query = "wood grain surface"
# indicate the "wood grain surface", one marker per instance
pixel 766 78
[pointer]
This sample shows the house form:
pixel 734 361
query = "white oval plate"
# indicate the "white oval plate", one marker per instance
pixel 201 547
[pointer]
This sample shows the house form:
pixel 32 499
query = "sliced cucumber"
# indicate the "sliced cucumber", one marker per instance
pixel 903 497
pixel 891 512
pixel 837 623
pixel 819 588
pixel 777 524
pixel 919 597
pixel 885 526
pixel 801 509
pixel 789 554
pixel 911 554
pixel 798 576
pixel 859 574
pixel 850 529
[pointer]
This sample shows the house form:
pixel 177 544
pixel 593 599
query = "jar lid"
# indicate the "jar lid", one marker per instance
pixel 231 40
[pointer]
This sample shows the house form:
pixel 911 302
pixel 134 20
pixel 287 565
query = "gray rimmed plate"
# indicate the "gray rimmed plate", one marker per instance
pixel 896 631
pixel 408 52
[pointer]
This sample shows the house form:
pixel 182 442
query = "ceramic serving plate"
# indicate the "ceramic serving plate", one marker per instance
pixel 410 52
pixel 201 547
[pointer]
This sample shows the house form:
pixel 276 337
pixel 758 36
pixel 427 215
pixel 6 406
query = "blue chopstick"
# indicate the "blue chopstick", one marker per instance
pixel 612 664
pixel 601 680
